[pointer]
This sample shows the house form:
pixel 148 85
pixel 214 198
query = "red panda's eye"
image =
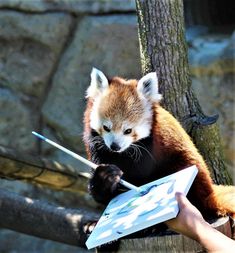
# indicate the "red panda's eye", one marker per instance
pixel 128 131
pixel 106 128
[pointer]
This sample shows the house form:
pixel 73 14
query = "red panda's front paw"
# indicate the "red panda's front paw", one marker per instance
pixel 103 185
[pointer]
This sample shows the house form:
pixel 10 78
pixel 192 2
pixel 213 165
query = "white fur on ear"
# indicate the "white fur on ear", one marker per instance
pixel 99 83
pixel 148 87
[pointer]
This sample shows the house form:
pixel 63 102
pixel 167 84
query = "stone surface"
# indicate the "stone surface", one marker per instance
pixel 74 6
pixel 29 48
pixel 109 43
pixel 15 122
pixel 58 155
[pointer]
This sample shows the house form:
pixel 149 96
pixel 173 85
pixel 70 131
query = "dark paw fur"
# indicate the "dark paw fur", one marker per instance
pixel 104 183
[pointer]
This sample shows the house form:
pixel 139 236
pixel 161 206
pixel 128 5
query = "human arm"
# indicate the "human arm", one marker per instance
pixel 190 222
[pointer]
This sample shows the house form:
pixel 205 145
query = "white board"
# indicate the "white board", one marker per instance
pixel 133 211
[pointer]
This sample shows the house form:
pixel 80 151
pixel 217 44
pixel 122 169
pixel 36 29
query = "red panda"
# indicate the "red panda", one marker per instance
pixel 125 126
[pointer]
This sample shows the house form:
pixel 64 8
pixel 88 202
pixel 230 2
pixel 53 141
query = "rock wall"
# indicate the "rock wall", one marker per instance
pixel 47 50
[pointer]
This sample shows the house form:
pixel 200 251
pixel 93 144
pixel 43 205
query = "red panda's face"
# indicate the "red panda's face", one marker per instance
pixel 122 110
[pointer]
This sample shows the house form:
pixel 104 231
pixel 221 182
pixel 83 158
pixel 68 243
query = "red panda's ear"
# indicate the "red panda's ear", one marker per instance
pixel 99 83
pixel 148 87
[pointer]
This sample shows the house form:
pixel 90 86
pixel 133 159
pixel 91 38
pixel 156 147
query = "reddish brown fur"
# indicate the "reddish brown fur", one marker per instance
pixel 173 148
pixel 124 99
pixel 170 138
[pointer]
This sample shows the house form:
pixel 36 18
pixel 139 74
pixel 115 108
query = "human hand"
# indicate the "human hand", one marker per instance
pixel 189 220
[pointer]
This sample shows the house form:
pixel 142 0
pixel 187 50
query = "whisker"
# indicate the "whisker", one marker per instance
pixel 136 154
pixel 145 149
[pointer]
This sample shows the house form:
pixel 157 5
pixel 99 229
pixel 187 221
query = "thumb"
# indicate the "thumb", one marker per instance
pixel 182 200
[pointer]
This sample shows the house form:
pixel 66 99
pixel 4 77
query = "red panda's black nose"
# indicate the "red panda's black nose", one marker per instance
pixel 115 147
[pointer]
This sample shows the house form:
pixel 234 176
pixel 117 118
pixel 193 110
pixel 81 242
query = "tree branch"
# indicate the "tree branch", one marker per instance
pixel 37 218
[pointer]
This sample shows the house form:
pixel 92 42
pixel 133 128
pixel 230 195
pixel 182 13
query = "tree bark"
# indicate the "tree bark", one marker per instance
pixel 163 49
pixel 37 218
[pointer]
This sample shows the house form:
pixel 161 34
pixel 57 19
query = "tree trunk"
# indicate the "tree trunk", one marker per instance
pixel 163 49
